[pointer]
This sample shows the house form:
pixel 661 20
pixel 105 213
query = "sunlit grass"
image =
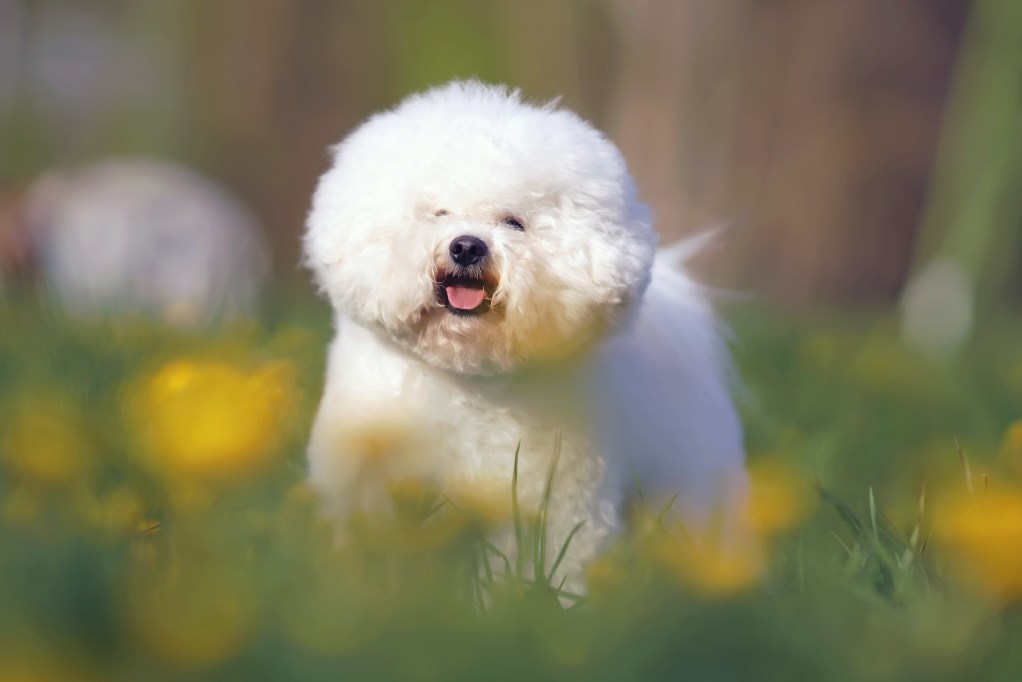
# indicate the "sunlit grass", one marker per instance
pixel 154 522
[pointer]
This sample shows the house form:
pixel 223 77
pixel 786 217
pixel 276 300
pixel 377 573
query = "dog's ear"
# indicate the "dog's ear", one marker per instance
pixel 360 245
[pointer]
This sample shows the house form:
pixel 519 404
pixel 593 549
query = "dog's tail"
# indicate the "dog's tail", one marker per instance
pixel 680 252
pixel 671 260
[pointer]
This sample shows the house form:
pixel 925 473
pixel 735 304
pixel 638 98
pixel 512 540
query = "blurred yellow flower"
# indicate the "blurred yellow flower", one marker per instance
pixel 485 503
pixel 194 617
pixel 984 535
pixel 412 498
pixel 414 526
pixel 779 498
pixel 1011 448
pixel 714 568
pixel 211 419
pixel 375 439
pixel 44 439
pixel 733 556
pixel 378 447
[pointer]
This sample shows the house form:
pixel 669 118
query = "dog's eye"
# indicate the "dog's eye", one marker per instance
pixel 513 222
pixel 440 213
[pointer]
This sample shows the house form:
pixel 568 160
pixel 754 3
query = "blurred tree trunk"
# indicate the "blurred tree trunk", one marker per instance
pixel 970 236
pixel 647 112
pixel 807 125
pixel 272 84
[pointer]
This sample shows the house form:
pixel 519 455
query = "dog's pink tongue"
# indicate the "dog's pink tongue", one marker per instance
pixel 465 298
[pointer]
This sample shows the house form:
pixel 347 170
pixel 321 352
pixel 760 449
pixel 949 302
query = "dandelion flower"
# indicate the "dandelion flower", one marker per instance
pixel 486 503
pixel 733 558
pixel 778 499
pixel 210 419
pixel 984 536
pixel 198 617
pixel 713 568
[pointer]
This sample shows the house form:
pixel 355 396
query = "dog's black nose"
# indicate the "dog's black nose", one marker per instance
pixel 467 250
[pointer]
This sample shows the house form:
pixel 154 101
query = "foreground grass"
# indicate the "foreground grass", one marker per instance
pixel 153 524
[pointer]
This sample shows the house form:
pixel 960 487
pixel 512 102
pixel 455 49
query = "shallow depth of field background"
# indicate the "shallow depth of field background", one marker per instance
pixel 864 164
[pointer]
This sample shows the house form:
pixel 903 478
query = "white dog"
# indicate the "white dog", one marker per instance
pixel 496 283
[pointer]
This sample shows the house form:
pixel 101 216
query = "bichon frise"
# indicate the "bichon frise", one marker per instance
pixel 496 285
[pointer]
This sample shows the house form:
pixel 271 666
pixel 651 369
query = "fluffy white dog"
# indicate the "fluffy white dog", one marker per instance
pixel 496 283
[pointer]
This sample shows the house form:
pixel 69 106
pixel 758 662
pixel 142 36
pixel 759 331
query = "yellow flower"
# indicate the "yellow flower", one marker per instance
pixel 713 568
pixel 195 617
pixel 414 526
pixel 44 439
pixel 485 503
pixel 412 498
pixel 731 556
pixel 778 499
pixel 210 419
pixel 984 535
pixel 375 438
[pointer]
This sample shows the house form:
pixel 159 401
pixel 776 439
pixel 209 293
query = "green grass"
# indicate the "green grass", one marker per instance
pixel 122 571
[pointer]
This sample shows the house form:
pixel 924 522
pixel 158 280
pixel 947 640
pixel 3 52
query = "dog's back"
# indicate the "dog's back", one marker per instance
pixel 664 388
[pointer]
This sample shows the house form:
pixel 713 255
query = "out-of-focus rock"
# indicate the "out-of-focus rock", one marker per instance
pixel 937 308
pixel 141 236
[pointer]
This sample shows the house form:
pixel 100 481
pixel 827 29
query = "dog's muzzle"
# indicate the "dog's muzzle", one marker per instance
pixel 464 290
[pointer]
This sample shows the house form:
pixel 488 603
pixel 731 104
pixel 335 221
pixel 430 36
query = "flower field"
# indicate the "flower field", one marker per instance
pixel 154 523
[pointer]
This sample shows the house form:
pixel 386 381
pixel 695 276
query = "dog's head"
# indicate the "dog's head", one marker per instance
pixel 478 231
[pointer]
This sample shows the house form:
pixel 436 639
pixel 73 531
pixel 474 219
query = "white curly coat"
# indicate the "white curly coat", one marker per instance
pixel 587 332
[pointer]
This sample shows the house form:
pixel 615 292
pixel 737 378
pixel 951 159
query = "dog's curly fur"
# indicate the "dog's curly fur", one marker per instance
pixel 583 330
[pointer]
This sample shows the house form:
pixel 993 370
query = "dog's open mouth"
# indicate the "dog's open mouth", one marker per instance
pixel 464 295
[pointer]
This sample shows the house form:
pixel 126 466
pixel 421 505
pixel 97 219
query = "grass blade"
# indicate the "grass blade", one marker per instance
pixel 564 549
pixel 842 543
pixel 486 564
pixel 667 508
pixel 873 516
pixel 964 459
pixel 516 512
pixel 843 510
pixel 543 519
pixel 500 555
pixel 638 485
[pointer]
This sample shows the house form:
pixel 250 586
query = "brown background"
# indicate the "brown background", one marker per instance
pixel 807 126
